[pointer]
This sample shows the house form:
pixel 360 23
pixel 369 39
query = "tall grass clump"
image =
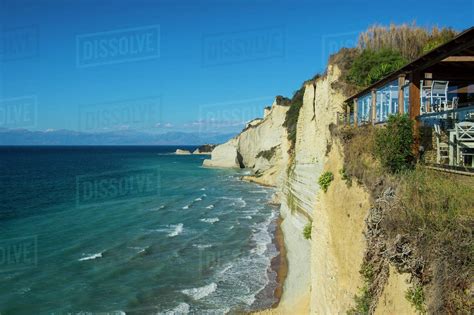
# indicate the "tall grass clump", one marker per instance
pixel 408 39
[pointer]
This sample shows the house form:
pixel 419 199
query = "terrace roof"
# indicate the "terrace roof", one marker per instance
pixel 452 60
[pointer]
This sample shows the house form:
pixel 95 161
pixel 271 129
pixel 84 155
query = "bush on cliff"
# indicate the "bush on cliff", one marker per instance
pixel 291 118
pixel 416 297
pixel 393 143
pixel 307 231
pixel 325 180
pixel 371 66
pixel 365 297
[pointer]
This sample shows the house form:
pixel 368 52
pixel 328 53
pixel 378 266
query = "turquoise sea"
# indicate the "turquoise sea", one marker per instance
pixel 135 230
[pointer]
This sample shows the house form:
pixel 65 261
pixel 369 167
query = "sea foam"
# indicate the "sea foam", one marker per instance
pixel 90 257
pixel 201 292
pixel 182 308
pixel 177 230
pixel 210 220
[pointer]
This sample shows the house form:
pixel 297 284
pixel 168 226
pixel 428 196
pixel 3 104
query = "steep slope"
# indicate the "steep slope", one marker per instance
pixel 323 272
pixel 338 241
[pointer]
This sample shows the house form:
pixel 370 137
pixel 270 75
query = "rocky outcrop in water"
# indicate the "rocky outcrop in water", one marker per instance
pixel 225 155
pixel 205 149
pixel 182 152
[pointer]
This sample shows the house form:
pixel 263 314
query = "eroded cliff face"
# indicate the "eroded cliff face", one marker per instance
pixel 338 242
pixel 262 146
pixel 328 263
pixel 323 275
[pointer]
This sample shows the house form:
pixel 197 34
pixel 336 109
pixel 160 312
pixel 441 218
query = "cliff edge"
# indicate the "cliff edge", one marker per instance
pixel 323 270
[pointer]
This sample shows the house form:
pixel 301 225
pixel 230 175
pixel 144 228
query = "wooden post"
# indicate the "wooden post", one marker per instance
pixel 401 96
pixel 415 101
pixel 348 115
pixel 355 113
pixel 415 107
pixel 427 82
pixel 374 105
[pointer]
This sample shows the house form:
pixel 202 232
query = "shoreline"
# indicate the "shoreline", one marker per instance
pixel 278 269
pixel 280 262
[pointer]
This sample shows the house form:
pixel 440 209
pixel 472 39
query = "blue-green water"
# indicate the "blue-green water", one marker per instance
pixel 130 229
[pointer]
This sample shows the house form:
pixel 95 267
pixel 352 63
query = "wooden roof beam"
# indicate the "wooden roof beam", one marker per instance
pixel 459 59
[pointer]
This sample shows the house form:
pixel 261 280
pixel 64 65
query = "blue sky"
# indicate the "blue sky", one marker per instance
pixel 188 80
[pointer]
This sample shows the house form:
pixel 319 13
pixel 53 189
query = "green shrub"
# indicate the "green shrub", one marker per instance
pixel 291 118
pixel 393 143
pixel 362 301
pixel 346 177
pixel 307 231
pixel 371 66
pixel 417 298
pixel 438 39
pixel 432 45
pixel 365 297
pixel 325 180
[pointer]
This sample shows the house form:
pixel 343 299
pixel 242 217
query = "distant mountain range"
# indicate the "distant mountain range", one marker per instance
pixel 127 137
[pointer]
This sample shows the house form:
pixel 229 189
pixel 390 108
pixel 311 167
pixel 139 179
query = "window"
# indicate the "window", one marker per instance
pixel 364 104
pixel 406 99
pixel 387 101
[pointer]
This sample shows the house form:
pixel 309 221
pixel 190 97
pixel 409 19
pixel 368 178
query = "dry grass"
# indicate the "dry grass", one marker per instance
pixel 409 39
pixel 436 211
pixel 343 59
pixel 359 160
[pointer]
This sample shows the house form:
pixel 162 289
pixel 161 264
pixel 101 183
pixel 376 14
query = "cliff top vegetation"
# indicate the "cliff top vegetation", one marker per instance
pixel 383 49
pixel 429 219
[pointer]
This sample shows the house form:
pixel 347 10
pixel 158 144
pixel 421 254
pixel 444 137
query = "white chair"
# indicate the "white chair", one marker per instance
pixel 439 95
pixel 442 148
pixel 453 104
pixel 464 140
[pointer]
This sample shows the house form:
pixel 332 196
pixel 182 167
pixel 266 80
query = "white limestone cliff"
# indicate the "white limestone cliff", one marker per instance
pixel 260 135
pixel 323 272
pixel 182 152
pixel 224 155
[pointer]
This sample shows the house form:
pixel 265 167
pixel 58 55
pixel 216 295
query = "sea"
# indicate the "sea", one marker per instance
pixel 131 230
